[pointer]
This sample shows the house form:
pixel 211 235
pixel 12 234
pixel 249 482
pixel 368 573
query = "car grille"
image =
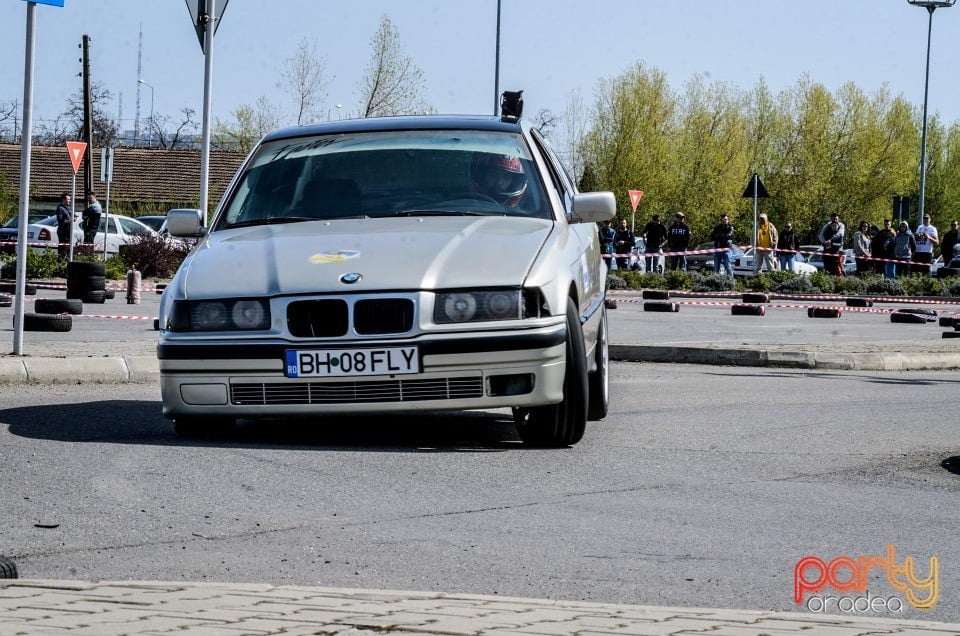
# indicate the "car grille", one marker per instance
pixel 329 318
pixel 357 391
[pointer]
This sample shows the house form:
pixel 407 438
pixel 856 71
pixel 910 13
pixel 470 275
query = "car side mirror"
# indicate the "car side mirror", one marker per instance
pixel 185 223
pixel 594 207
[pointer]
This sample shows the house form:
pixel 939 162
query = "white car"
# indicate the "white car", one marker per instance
pixel 392 265
pixel 43 234
pixel 742 263
pixel 849 261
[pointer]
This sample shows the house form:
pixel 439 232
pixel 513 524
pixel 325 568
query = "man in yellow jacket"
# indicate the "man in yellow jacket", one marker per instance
pixel 766 242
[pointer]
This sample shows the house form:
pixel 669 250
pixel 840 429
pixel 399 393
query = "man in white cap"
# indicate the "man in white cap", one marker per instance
pixel 766 242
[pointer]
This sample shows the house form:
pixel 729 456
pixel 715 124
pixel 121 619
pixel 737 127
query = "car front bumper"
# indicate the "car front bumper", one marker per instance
pixel 476 370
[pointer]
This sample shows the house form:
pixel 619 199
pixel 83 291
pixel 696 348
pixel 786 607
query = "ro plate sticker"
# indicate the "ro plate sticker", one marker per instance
pixel 334 256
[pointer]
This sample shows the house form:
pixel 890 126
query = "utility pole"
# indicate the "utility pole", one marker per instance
pixel 87 119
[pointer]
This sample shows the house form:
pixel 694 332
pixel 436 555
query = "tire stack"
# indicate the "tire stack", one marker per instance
pixel 87 282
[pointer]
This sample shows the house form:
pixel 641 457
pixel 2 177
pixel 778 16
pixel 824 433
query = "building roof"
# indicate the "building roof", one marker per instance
pixel 140 175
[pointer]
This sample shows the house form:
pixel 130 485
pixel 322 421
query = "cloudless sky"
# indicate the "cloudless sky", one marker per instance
pixel 548 48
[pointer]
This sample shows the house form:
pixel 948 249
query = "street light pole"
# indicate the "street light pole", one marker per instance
pixel 150 86
pixel 496 69
pixel 930 6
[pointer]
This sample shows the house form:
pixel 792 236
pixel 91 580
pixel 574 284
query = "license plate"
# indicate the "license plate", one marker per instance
pixel 351 362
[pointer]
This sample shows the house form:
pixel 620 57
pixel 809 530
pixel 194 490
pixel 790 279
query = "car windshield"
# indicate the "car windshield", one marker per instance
pixel 381 174
pixel 31 219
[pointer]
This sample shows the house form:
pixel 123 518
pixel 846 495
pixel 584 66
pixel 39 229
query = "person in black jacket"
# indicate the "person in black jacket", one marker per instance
pixel 624 242
pixel 787 247
pixel 654 236
pixel 678 240
pixel 722 237
pixel 64 225
pixel 948 243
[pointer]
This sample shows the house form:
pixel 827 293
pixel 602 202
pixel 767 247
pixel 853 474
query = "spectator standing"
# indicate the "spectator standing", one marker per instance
pixel 678 240
pixel 787 247
pixel 722 237
pixel 91 218
pixel 766 243
pixel 64 225
pixel 654 236
pixel 927 237
pixel 832 238
pixel 862 248
pixel 948 244
pixel 624 241
pixel 607 236
pixel 882 248
pixel 905 244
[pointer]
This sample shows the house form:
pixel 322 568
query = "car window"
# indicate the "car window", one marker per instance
pixel 380 174
pixel 132 227
pixel 103 224
pixel 558 175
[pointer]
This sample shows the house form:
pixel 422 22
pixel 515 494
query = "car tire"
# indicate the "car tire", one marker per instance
pixel 95 296
pixel 598 382
pixel 563 424
pixel 11 288
pixel 908 318
pixel 8 569
pixel 6 301
pixel 199 427
pixel 58 306
pixel 47 322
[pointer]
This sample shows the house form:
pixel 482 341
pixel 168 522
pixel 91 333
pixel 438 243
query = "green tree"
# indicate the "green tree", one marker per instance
pixel 392 84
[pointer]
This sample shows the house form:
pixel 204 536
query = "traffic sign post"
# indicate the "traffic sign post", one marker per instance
pixel 756 190
pixel 106 174
pixel 75 149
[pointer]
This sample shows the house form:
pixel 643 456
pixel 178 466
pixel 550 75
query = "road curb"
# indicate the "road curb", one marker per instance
pixel 107 370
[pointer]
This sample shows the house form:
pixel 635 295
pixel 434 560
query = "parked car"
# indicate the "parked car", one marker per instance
pixel 157 223
pixel 392 265
pixel 849 261
pixel 123 229
pixel 637 260
pixel 698 262
pixel 742 262
pixel 10 229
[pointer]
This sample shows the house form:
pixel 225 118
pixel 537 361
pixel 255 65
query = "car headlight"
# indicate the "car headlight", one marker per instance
pixel 478 306
pixel 220 315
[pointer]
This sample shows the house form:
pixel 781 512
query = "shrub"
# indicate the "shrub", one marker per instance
pixel 40 264
pixel 796 285
pixel 153 255
pixel 714 282
pixel 885 287
pixel 615 282
pixel 759 283
pixel 823 282
pixel 850 285
pixel 954 287
pixel 779 276
pixel 919 285
pixel 677 279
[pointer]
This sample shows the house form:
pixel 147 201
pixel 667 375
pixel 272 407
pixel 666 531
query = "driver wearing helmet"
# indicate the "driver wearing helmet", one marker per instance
pixel 499 177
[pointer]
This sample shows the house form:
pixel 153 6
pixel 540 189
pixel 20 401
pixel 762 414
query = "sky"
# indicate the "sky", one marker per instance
pixel 549 48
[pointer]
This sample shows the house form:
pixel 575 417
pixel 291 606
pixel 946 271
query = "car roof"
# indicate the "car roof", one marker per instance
pixel 405 122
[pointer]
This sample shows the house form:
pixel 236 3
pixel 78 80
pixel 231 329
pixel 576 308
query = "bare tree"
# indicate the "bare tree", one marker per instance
pixel 305 77
pixel 173 135
pixel 392 84
pixel 69 123
pixel 546 121
pixel 8 120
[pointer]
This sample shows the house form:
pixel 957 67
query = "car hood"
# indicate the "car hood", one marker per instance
pixel 406 253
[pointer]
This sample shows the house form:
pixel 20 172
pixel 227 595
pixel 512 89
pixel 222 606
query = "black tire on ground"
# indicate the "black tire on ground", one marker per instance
pixel 11 288
pixel 8 569
pixel 610 303
pixel 756 298
pixel 951 334
pixel 203 427
pixel 80 275
pixel 658 306
pixel 109 294
pixel 598 382
pixel 859 302
pixel 95 297
pixel 563 424
pixel 656 294
pixel 47 322
pixel 96 282
pixel 907 318
pixel 156 324
pixel 58 306
pixel 948 321
pixel 823 312
pixel 748 310
pixel 920 311
pixel 6 301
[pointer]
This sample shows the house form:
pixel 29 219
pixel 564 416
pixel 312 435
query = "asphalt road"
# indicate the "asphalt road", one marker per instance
pixel 703 488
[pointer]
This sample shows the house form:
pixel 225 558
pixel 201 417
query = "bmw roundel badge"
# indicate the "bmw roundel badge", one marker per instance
pixel 351 278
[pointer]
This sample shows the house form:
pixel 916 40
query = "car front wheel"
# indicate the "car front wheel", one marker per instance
pixel 599 380
pixel 563 424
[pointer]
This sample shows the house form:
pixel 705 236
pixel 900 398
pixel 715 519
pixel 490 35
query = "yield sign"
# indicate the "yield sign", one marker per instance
pixel 76 150
pixel 635 196
pixel 199 13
